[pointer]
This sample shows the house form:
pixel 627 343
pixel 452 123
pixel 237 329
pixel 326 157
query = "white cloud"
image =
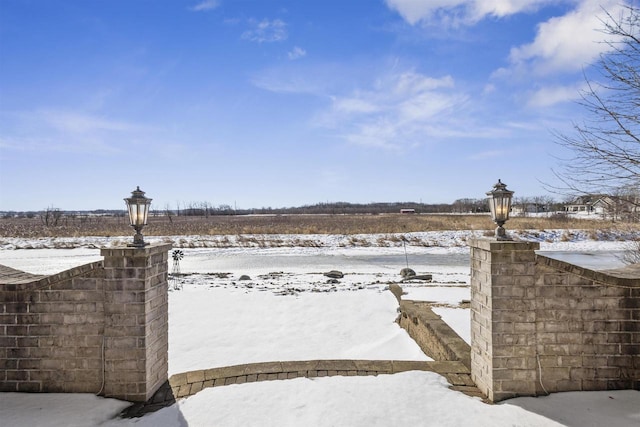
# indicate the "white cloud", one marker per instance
pixel 400 109
pixel 289 84
pixel 205 5
pixel 297 53
pixel 489 88
pixel 411 82
pixel 266 31
pixel 68 131
pixel 455 12
pixel 551 95
pixel 502 8
pixel 569 42
pixel 490 154
pixel 414 11
pixel 562 47
pixel 354 105
pixel 72 122
pixel 301 77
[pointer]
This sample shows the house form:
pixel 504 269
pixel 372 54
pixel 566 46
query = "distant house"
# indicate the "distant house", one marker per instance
pixel 604 206
pixel 407 211
pixel 587 204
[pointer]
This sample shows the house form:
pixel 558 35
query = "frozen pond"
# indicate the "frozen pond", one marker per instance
pixel 379 260
pixel 301 260
pixel 49 261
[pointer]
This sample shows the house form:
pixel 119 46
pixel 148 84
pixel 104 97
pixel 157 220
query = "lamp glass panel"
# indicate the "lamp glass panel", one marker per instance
pixel 492 207
pixel 144 213
pixel 502 208
pixel 132 212
pixel 139 215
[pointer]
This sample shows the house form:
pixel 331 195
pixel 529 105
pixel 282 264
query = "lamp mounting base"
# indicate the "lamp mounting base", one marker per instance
pixel 138 240
pixel 501 234
pixel 137 245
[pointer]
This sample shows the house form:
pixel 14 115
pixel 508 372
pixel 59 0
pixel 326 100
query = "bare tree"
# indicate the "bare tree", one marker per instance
pixel 51 216
pixel 543 203
pixel 469 205
pixel 605 147
pixel 522 204
pixel 168 212
pixel 632 253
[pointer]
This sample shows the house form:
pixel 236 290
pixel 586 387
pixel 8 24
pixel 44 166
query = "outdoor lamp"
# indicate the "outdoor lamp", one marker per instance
pixel 138 207
pixel 500 205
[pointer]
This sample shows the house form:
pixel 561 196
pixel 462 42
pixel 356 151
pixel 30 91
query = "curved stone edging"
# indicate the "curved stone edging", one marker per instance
pixel 189 383
pixel 432 334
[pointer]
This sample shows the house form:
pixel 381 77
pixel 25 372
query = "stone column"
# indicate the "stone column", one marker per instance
pixel 136 321
pixel 503 328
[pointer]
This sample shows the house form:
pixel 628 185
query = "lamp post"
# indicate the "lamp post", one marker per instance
pixel 500 205
pixel 138 207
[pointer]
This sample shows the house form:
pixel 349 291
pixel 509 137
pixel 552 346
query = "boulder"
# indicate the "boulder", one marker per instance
pixel 407 272
pixel 244 277
pixel 334 274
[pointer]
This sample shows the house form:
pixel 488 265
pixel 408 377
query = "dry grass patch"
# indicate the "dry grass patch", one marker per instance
pixel 288 224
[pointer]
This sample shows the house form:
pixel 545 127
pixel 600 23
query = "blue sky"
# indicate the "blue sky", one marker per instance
pixel 285 103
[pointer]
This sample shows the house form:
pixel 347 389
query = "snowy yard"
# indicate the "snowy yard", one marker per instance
pixel 288 311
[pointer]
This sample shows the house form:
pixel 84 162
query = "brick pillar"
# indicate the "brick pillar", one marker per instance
pixel 136 321
pixel 503 318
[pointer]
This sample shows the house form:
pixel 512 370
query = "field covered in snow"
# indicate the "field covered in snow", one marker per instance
pixel 288 310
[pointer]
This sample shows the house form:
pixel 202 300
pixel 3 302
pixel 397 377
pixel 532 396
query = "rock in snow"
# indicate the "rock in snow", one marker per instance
pixel 334 274
pixel 407 272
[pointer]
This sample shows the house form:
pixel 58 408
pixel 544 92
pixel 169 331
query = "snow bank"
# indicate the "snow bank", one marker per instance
pixel 309 242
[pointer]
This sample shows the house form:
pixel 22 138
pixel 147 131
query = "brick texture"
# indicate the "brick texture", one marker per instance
pixel 540 325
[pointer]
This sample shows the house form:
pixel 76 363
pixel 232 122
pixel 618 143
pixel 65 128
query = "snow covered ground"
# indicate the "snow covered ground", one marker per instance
pixel 287 310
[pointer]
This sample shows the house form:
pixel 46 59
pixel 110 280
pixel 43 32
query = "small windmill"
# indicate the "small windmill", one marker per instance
pixel 177 255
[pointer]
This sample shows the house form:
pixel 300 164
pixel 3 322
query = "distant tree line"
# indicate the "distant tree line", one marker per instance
pixel 521 206
pixel 333 208
pixel 52 216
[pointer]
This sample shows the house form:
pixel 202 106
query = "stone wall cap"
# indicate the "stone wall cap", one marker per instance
pixel 17 280
pixel 493 244
pixel 132 251
pixel 628 276
pixel 11 276
pixel 628 272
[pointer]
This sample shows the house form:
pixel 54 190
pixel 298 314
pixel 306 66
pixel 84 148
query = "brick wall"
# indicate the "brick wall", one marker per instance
pixel 540 325
pixel 98 328
pixel 587 327
pixel 51 332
